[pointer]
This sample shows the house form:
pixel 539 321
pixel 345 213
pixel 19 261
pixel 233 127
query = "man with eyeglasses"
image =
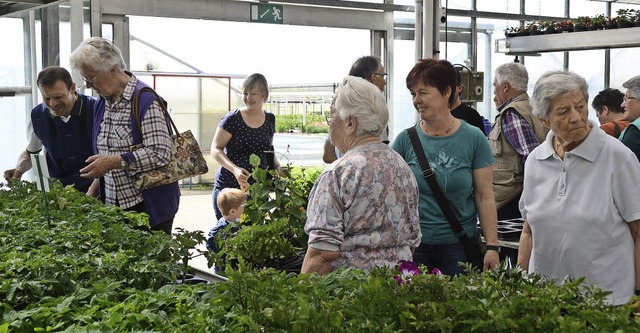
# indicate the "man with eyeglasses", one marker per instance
pixel 371 69
pixel 62 124
pixel 631 135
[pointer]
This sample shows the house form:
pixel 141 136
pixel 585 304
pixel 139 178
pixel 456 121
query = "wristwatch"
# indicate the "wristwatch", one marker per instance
pixel 494 248
pixel 123 163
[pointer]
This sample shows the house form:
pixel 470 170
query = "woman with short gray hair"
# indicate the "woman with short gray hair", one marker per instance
pixel 363 209
pixel 114 136
pixel 580 195
pixel 630 136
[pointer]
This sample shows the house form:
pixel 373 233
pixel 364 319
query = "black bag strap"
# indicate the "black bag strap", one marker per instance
pixel 430 177
pixel 617 130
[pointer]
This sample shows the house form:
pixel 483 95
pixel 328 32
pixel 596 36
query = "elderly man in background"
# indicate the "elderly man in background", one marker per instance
pixel 363 209
pixel 580 196
pixel 608 106
pixel 62 124
pixel 630 136
pixel 371 69
pixel 515 133
pixel 114 136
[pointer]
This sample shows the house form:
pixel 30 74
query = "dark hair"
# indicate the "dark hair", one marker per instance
pixel 365 66
pixel 50 75
pixel 256 80
pixel 611 98
pixel 439 74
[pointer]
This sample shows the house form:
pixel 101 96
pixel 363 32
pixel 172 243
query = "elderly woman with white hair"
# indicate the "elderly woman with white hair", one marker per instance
pixel 580 195
pixel 115 135
pixel 363 209
pixel 630 136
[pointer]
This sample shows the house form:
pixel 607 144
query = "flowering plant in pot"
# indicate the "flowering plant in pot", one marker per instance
pixel 534 28
pixel 581 23
pixel 565 26
pixel 549 27
pixel 611 23
pixel 597 22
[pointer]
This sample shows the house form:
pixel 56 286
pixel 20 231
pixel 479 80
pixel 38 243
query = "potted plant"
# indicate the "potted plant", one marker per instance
pixel 597 22
pixel 565 26
pixel 626 18
pixel 581 23
pixel 512 31
pixel 534 28
pixel 549 27
pixel 611 23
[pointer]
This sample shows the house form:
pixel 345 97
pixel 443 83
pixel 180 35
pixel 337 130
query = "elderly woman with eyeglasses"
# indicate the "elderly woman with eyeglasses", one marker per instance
pixel 630 136
pixel 363 209
pixel 580 197
pixel 114 136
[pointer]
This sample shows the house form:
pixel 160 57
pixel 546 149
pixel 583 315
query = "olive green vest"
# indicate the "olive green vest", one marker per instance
pixel 508 172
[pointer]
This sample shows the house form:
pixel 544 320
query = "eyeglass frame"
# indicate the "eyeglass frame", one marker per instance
pixel 384 75
pixel 91 82
pixel 328 118
pixel 626 98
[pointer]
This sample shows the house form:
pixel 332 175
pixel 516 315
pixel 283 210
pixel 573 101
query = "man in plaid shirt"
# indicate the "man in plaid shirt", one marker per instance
pixel 514 134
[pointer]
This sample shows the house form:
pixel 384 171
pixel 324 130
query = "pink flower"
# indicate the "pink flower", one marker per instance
pixel 436 271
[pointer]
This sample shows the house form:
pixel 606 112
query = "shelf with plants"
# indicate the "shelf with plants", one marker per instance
pixel 582 33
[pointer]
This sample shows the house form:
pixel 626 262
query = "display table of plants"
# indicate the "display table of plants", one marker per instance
pixel 81 266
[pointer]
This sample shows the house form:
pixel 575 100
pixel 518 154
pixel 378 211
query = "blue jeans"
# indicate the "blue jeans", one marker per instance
pixel 444 257
pixel 214 196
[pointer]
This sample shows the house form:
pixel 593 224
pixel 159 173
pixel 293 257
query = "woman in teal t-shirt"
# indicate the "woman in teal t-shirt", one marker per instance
pixel 462 161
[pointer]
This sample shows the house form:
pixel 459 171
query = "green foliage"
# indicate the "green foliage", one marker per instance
pixel 314 123
pixel 48 268
pixel 272 227
pixel 92 272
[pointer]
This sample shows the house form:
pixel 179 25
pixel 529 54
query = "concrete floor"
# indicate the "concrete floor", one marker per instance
pixel 196 213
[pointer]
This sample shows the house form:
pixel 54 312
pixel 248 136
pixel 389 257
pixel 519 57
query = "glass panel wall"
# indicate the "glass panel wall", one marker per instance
pixel 13 109
pixel 590 65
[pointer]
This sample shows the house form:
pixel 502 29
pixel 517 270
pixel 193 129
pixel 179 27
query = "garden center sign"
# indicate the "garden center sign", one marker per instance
pixel 267 13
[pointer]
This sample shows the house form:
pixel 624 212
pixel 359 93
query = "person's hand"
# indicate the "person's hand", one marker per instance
pixel 94 189
pixel 12 174
pixel 99 165
pixel 491 260
pixel 242 175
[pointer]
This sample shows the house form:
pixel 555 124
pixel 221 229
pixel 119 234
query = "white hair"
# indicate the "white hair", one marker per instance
pixel 98 54
pixel 514 73
pixel 359 98
pixel 552 85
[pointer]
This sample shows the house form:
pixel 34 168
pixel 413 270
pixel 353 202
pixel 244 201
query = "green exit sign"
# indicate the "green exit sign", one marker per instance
pixel 267 13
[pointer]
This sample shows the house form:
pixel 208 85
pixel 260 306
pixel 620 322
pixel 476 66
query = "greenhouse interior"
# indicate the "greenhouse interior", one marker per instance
pixel 326 166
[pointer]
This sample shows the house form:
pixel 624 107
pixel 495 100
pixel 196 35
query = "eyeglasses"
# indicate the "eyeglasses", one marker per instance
pixel 626 98
pixel 90 82
pixel 384 75
pixel 329 119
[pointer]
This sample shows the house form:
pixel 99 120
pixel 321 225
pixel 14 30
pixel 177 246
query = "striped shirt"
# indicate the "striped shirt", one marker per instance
pixel 114 138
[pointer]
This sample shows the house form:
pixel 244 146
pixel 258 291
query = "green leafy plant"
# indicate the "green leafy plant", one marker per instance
pixel 311 123
pixel 92 272
pixel 271 230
